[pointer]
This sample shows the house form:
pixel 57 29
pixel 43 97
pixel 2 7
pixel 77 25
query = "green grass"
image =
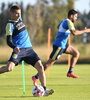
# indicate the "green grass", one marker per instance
pixel 11 87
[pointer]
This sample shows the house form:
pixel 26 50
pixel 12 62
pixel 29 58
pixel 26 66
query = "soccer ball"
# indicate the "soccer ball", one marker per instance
pixel 38 91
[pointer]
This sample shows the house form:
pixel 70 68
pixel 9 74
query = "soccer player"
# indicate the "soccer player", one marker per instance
pixel 60 45
pixel 18 39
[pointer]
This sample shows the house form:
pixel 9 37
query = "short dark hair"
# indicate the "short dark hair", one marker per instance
pixel 72 12
pixel 13 8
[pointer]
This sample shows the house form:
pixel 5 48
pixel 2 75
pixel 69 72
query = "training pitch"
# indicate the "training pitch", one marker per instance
pixel 11 84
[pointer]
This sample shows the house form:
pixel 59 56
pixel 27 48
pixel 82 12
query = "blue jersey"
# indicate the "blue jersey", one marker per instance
pixel 20 36
pixel 63 33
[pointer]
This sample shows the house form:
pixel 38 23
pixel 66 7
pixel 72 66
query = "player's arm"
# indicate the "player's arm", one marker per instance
pixel 10 44
pixel 9 41
pixel 74 31
pixel 9 35
pixel 9 38
pixel 77 32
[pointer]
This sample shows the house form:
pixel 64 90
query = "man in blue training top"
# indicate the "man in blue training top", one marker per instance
pixel 60 45
pixel 18 40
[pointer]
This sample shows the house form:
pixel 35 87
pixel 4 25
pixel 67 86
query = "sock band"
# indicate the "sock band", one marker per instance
pixel 70 69
pixel 37 76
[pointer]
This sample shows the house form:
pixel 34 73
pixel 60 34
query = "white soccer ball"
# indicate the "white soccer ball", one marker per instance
pixel 38 91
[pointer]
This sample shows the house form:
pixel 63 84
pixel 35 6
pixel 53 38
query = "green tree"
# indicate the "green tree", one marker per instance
pixel 70 4
pixel 58 14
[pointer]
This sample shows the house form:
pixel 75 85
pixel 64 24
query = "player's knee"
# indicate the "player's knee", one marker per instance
pixel 40 68
pixel 10 68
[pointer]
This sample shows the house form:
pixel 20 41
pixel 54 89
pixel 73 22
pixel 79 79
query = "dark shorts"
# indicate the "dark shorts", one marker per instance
pixel 57 52
pixel 26 54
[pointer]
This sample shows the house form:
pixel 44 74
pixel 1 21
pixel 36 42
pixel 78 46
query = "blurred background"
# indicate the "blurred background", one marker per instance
pixel 39 16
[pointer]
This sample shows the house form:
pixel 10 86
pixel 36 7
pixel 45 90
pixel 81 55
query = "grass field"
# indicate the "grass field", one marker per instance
pixel 65 88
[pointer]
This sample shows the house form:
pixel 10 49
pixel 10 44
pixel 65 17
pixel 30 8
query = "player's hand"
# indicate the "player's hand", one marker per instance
pixel 16 50
pixel 87 29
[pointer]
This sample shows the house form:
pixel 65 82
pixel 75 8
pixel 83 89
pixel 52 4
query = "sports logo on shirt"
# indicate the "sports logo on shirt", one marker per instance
pixel 15 55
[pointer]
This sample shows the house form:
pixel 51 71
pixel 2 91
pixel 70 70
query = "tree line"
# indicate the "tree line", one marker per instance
pixel 41 16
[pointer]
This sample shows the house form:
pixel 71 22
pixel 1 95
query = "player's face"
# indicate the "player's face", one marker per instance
pixel 15 15
pixel 74 17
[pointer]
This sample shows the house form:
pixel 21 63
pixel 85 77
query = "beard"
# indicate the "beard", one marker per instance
pixel 73 21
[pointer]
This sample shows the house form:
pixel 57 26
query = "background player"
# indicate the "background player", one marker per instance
pixel 60 45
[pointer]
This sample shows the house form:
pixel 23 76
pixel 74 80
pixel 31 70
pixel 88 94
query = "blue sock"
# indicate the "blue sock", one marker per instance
pixel 37 76
pixel 70 69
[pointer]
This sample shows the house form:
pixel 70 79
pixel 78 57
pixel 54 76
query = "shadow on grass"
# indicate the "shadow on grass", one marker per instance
pixel 16 96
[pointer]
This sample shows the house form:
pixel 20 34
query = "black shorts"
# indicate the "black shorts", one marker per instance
pixel 26 54
pixel 57 52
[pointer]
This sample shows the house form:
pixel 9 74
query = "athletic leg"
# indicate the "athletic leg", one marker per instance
pixel 41 73
pixel 75 55
pixel 9 67
pixel 57 51
pixel 42 78
pixel 49 63
pixel 46 65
